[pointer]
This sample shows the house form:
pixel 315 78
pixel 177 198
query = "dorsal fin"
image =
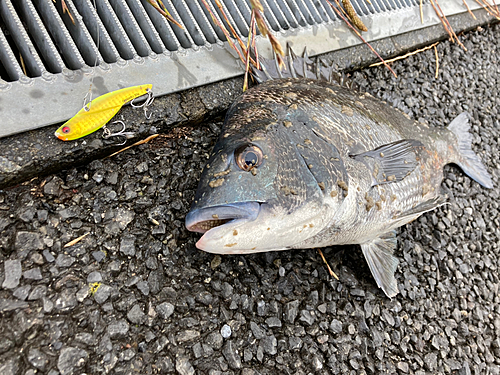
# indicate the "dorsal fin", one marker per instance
pixel 299 67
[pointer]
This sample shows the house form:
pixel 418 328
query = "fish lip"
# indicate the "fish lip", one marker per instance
pixel 229 213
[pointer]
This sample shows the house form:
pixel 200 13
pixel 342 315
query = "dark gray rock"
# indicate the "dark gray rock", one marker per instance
pixel 257 331
pixel 37 359
pixel 165 310
pixel 269 344
pixel 10 366
pixel 307 317
pixel 231 354
pixel 143 286
pixel 273 322
pixel 71 360
pixel 215 340
pixel 33 274
pixel 13 272
pixel 102 293
pixel 27 241
pixel 183 366
pixel 336 326
pixel 94 277
pixel 136 315
pixel 64 260
pixel 291 311
pixel 118 329
pixel 127 246
pixel 187 335
pixel 22 292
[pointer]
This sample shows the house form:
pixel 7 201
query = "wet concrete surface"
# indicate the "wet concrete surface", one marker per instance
pixel 136 296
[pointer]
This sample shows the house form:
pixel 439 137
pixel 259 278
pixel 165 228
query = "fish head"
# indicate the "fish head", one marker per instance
pixel 257 193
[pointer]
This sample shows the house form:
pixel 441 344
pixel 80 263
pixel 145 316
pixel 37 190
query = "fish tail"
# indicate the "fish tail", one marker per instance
pixel 300 67
pixel 468 160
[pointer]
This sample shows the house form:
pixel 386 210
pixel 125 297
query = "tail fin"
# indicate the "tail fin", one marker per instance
pixel 468 160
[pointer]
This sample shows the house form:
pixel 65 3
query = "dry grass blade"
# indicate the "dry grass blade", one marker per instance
pixel 437 63
pixel 135 144
pixel 327 265
pixel 76 240
pixel 468 9
pixel 233 31
pixel 224 30
pixel 406 55
pixel 339 10
pixel 446 24
pixel 251 37
pixel 23 66
pixel 65 10
pixel 422 12
pixel 489 8
pixel 162 9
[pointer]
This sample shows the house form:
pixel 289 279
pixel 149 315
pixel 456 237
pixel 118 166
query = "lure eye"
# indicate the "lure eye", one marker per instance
pixel 248 157
pixel 65 129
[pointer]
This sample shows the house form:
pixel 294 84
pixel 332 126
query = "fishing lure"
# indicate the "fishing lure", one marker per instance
pixel 99 111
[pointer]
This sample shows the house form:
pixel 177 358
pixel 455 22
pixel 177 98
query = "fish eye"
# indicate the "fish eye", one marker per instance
pixel 65 129
pixel 248 157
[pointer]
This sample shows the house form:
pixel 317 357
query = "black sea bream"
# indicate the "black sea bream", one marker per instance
pixel 304 163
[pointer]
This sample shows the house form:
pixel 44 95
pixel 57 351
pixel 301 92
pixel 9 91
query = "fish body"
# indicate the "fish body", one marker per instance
pixel 99 112
pixel 303 163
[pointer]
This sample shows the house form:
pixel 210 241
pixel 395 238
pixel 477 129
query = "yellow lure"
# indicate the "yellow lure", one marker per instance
pixel 102 109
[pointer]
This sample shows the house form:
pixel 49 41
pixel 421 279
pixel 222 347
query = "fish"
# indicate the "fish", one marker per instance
pixel 99 111
pixel 303 161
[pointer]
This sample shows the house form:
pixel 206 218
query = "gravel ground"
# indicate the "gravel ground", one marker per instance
pixel 136 296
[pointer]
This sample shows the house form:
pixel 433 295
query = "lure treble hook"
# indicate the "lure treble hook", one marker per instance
pixel 122 133
pixel 149 100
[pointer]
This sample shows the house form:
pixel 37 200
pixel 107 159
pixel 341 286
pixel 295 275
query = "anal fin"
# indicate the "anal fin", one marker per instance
pixel 422 208
pixel 379 256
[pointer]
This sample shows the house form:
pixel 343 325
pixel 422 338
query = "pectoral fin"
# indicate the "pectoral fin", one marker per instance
pixel 391 162
pixel 379 256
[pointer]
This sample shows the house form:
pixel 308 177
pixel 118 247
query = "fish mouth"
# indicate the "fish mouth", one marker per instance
pixel 202 220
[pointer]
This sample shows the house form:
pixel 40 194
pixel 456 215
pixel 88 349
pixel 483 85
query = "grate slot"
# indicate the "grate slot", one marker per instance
pixel 163 28
pixel 290 17
pixel 115 30
pixel 327 9
pixel 12 69
pixel 129 24
pixel 245 10
pixel 54 24
pixel 202 21
pixel 310 11
pixel 361 7
pixel 234 15
pixel 21 39
pixel 182 36
pixel 320 9
pixel 97 32
pixel 146 26
pixel 189 22
pixel 41 38
pixel 275 19
pixel 79 33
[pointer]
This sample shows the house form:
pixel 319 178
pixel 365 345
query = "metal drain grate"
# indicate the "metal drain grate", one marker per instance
pixel 47 60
